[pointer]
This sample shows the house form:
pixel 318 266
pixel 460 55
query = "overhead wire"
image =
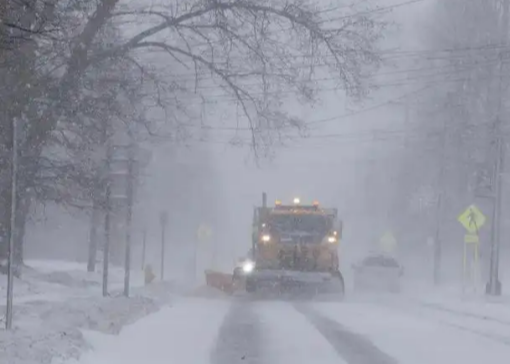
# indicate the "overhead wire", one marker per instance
pixel 425 53
pixel 378 135
pixel 445 79
pixel 426 86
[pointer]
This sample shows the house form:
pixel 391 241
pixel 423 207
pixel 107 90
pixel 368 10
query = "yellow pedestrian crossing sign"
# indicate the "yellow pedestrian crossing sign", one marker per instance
pixel 388 242
pixel 204 232
pixel 472 219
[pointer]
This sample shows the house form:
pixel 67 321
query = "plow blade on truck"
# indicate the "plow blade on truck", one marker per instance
pixel 219 280
pixel 314 285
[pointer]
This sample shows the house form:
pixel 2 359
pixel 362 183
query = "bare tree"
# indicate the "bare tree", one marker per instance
pixel 462 70
pixel 255 52
pixel 23 20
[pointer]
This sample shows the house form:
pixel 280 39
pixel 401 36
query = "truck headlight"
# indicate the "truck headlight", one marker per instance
pixel 331 239
pixel 248 267
pixel 266 238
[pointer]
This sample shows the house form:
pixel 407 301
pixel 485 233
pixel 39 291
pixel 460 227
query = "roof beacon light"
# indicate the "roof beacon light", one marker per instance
pixel 316 203
pixel 297 201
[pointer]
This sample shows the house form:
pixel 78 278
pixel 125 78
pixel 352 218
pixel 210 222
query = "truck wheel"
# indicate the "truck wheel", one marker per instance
pixel 236 275
pixel 251 285
pixel 334 290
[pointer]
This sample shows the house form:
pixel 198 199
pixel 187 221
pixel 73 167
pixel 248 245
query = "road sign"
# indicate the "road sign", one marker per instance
pixel 388 242
pixel 204 232
pixel 472 219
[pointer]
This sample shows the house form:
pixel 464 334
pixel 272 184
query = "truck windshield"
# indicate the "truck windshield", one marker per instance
pixel 308 223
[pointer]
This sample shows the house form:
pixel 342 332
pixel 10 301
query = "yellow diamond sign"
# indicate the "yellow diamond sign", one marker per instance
pixel 472 219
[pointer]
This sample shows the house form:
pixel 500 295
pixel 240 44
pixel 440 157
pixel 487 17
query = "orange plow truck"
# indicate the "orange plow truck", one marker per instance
pixel 294 248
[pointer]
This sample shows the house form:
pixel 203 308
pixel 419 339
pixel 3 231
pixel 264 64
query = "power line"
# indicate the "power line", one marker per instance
pixel 448 69
pixel 226 98
pixel 427 55
pixel 369 136
pixel 364 110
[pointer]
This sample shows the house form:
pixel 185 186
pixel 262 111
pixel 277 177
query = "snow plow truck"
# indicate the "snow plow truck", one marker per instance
pixel 294 249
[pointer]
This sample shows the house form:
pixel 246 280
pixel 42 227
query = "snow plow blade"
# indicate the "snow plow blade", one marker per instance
pixel 219 280
pixel 297 284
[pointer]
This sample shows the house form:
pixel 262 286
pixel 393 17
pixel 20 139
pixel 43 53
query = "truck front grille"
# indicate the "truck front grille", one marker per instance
pixel 298 258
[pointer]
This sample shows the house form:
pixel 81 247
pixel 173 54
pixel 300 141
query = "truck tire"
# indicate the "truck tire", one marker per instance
pixel 251 285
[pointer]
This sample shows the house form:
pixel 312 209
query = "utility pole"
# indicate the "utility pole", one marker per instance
pixel 144 247
pixel 122 199
pixel 12 227
pixel 439 205
pixel 163 219
pixel 195 258
pixel 129 213
pixel 494 285
pixel 107 218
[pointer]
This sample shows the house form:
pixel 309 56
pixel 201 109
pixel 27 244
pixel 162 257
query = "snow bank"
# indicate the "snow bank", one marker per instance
pixel 55 301
pixel 185 333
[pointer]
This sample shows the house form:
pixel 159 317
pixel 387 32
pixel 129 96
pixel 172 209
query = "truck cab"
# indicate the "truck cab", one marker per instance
pixel 294 243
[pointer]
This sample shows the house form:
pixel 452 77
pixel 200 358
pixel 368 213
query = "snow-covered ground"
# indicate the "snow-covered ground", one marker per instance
pixel 58 280
pixel 61 318
pixel 409 336
pixel 54 300
pixel 184 333
pixel 361 330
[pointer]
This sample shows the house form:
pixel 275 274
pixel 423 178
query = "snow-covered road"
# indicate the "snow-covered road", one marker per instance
pixel 377 331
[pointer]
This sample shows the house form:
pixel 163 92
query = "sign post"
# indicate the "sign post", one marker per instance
pixel 472 219
pixel 144 247
pixel 163 220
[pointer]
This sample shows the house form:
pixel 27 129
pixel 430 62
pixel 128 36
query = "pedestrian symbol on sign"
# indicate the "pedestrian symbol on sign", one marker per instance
pixel 472 219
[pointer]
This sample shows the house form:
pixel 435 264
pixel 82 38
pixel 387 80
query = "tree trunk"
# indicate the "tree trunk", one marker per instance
pixel 5 197
pixel 95 222
pixel 21 221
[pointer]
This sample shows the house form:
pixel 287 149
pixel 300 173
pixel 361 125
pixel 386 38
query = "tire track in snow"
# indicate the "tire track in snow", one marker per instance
pixel 239 337
pixel 352 347
pixel 492 328
pixel 438 307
